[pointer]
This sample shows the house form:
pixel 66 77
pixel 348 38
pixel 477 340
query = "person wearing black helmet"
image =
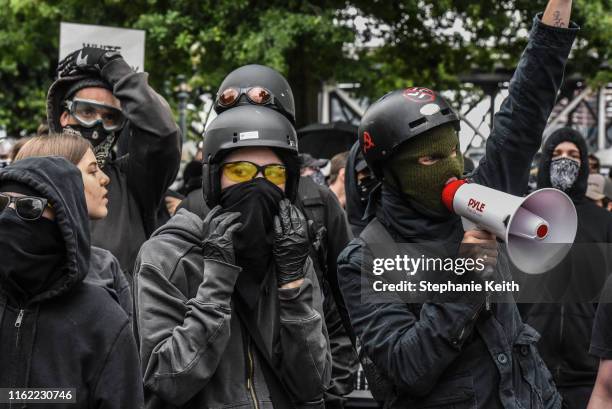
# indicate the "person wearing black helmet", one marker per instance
pixel 262 86
pixel 98 94
pixel 256 85
pixel 229 309
pixel 458 350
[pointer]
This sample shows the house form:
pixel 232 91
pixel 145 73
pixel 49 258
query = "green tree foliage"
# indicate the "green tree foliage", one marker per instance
pixel 420 46
pixel 310 42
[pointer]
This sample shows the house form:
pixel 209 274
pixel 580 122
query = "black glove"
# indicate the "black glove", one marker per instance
pixel 290 243
pixel 218 232
pixel 88 59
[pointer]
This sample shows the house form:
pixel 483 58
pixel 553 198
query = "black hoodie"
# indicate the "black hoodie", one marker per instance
pixel 355 208
pixel 566 328
pixel 71 334
pixel 139 178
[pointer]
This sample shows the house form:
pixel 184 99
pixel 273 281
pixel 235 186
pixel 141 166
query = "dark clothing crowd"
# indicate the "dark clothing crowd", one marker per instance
pixel 244 287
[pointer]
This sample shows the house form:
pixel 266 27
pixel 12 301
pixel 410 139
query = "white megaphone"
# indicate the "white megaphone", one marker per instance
pixel 538 230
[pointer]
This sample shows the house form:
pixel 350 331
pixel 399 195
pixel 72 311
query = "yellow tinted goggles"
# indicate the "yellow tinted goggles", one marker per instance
pixel 243 171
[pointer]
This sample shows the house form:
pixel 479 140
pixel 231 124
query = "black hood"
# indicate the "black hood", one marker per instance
pixel 60 182
pixel 355 208
pixel 578 190
pixel 57 95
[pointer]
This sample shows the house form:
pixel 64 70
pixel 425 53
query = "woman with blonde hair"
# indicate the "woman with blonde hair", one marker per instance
pixel 105 269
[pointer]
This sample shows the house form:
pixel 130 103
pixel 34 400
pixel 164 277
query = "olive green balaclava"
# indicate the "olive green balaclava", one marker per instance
pixel 423 184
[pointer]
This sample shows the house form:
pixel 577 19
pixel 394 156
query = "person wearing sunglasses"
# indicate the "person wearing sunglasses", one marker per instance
pixel 99 95
pixel 256 85
pixel 57 330
pixel 104 267
pixel 262 86
pixel 230 309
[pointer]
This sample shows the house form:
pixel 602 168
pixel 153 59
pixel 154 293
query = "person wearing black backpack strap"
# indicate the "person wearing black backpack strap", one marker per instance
pixel 461 351
pixel 229 309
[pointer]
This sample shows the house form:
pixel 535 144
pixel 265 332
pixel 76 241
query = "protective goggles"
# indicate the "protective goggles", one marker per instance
pixel 257 95
pixel 243 171
pixel 28 208
pixel 90 113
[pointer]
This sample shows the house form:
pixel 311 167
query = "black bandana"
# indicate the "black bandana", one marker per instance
pixel 563 173
pixel 102 140
pixel 257 200
pixel 32 253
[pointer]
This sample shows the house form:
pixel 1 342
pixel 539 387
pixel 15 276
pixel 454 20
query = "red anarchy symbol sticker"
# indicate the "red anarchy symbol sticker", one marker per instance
pixel 418 94
pixel 368 143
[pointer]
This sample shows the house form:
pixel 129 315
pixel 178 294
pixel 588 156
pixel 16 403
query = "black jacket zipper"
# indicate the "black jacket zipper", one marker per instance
pixel 250 379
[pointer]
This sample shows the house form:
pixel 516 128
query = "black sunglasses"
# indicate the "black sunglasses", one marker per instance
pixel 27 207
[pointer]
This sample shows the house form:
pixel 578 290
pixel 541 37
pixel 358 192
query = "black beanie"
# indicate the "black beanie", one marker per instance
pixel 92 82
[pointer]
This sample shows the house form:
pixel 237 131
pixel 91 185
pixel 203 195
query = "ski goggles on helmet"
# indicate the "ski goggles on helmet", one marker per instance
pixel 90 113
pixel 257 95
pixel 243 171
pixel 28 208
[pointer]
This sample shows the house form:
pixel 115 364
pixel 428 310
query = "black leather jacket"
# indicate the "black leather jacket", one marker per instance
pixel 196 351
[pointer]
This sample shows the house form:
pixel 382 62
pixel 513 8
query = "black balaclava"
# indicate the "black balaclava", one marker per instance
pixel 559 173
pixel 32 251
pixel 102 140
pixel 257 200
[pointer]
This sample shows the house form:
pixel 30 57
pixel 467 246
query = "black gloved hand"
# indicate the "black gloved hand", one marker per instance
pixel 218 235
pixel 290 243
pixel 88 59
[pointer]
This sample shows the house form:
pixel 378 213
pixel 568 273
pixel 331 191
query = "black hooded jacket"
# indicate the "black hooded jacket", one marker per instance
pixel 139 178
pixel 566 328
pixel 355 208
pixel 72 334
pixel 321 206
pixel 440 354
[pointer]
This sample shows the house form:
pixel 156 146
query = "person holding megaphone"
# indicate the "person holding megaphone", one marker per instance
pixel 463 353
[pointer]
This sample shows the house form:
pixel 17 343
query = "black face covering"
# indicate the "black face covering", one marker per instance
pixel 102 140
pixel 366 185
pixel 257 201
pixel 32 253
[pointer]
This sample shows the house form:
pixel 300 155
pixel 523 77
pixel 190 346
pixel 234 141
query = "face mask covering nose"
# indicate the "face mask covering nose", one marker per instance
pixel 563 173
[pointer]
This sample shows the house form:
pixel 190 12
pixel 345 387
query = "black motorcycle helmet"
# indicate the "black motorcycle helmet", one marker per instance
pixel 254 75
pixel 247 126
pixel 397 117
